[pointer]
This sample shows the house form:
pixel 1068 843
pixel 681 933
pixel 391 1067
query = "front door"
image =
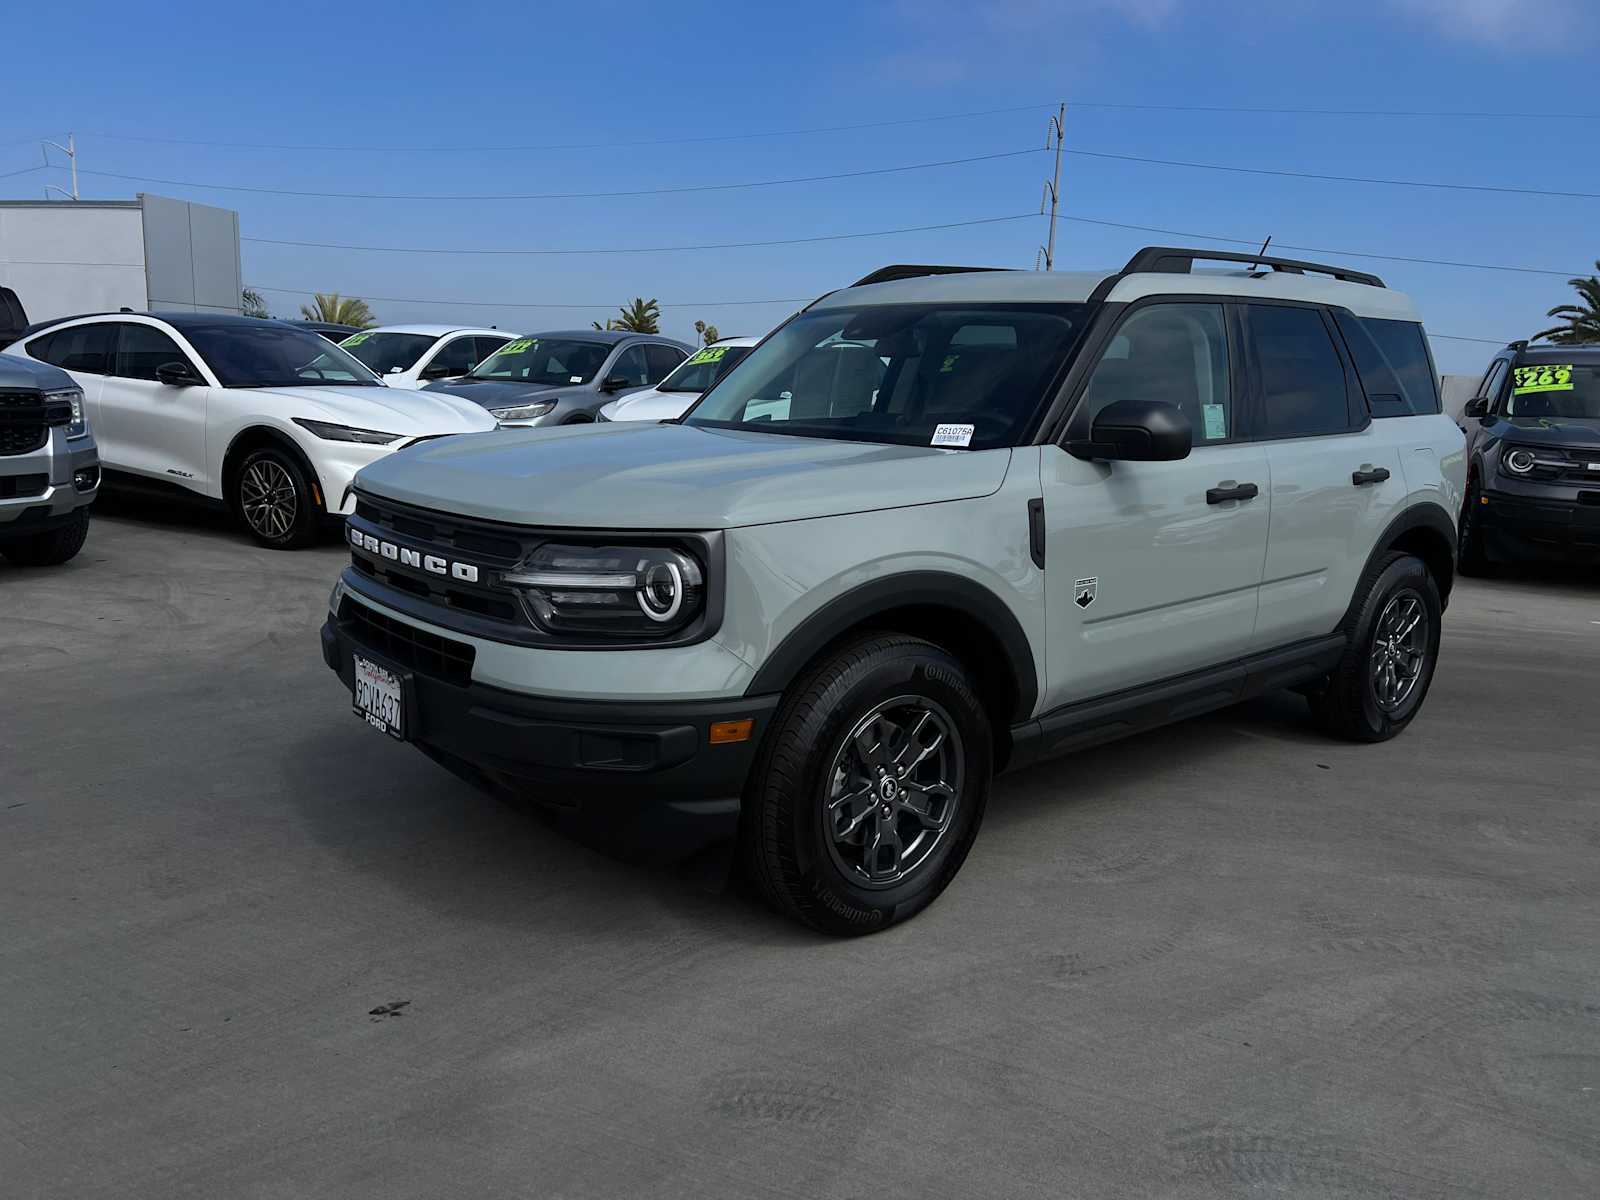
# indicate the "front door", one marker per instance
pixel 158 430
pixel 1152 568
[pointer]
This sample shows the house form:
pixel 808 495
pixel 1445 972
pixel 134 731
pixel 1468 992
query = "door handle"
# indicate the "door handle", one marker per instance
pixel 1237 491
pixel 1369 475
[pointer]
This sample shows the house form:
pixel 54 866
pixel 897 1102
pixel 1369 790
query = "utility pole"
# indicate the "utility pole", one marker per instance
pixel 71 151
pixel 1052 189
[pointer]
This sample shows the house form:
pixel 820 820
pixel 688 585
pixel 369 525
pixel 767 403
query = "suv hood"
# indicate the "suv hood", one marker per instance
pixel 643 476
pixel 1552 431
pixel 392 410
pixel 499 393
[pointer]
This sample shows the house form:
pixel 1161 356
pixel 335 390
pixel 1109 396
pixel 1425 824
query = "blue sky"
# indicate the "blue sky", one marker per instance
pixel 493 76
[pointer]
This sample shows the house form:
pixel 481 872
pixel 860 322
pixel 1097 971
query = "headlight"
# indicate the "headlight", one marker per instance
pixel 618 591
pixel 524 412
pixel 347 433
pixel 1520 462
pixel 79 425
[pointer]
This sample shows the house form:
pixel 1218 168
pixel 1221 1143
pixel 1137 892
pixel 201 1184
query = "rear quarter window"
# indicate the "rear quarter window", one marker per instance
pixel 1398 378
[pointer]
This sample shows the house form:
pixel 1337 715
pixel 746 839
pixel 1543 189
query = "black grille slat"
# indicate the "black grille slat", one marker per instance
pixel 24 422
pixel 13 486
pixel 427 653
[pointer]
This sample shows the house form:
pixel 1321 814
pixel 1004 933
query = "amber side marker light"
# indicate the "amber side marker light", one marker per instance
pixel 723 732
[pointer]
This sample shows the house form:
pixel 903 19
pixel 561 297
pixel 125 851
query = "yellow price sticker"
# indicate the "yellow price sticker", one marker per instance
pixel 1548 377
pixel 518 346
pixel 355 339
pixel 710 354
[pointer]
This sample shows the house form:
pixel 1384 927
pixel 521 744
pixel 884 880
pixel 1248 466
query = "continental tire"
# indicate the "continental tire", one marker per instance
pixel 870 787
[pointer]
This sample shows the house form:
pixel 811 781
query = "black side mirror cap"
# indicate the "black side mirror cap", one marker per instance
pixel 1476 407
pixel 614 383
pixel 1137 431
pixel 178 374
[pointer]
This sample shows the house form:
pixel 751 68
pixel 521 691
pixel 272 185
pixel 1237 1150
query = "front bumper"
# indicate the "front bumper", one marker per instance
pixel 43 489
pixel 642 776
pixel 1546 522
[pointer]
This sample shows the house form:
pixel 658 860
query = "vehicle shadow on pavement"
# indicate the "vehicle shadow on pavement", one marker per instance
pixel 176 512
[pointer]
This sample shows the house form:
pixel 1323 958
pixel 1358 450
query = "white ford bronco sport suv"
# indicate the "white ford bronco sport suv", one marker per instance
pixel 940 523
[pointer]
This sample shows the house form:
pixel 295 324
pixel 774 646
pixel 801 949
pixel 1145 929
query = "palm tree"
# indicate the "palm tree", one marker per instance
pixel 1582 320
pixel 251 304
pixel 340 310
pixel 642 316
pixel 708 333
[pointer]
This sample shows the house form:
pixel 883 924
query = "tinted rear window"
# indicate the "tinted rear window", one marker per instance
pixel 1402 384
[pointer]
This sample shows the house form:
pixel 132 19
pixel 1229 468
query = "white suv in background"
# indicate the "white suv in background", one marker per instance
pixel 673 396
pixel 408 356
pixel 271 419
pixel 940 523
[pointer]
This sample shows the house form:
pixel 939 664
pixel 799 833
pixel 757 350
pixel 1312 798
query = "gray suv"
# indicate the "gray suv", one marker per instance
pixel 49 467
pixel 939 524
pixel 564 378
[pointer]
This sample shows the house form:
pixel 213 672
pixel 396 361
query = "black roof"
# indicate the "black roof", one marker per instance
pixel 1564 354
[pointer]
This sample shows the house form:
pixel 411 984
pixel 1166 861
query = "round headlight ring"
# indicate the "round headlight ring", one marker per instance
pixel 660 592
pixel 1520 462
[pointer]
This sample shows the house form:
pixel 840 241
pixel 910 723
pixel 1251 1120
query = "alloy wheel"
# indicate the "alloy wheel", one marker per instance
pixel 268 498
pixel 1399 649
pixel 893 789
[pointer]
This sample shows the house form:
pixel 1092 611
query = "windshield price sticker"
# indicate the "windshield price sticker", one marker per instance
pixel 355 339
pixel 518 346
pixel 710 354
pixel 1550 377
pixel 952 435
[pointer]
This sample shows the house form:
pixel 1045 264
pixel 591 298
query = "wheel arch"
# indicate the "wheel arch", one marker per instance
pixel 963 617
pixel 1427 531
pixel 257 437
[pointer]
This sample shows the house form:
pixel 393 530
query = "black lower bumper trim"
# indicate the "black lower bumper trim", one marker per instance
pixel 644 770
pixel 1557 529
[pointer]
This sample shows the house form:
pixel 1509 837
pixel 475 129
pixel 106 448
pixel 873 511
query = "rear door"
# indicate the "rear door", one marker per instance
pixel 1336 474
pixel 158 430
pixel 1152 568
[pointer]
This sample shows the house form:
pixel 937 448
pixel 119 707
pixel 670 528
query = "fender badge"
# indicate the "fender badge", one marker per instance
pixel 1083 591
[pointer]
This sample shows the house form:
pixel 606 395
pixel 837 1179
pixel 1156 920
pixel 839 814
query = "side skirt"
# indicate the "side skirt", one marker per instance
pixel 1120 714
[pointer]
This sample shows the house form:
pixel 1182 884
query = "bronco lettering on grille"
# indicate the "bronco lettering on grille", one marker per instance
pixel 415 559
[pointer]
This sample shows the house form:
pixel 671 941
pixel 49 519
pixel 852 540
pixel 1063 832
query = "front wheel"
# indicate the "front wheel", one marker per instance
pixel 274 500
pixel 1380 683
pixel 52 548
pixel 1471 558
pixel 870 787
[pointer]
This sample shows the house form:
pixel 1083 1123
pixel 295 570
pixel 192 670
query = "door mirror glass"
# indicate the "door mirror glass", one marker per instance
pixel 1137 431
pixel 177 374
pixel 1478 407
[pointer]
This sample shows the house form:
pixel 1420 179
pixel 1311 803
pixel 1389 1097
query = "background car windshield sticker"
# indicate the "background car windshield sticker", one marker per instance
pixel 355 339
pixel 518 346
pixel 1083 591
pixel 710 354
pixel 1550 377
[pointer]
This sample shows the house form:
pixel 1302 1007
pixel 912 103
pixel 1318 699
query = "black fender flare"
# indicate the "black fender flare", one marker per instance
pixel 911 589
pixel 1427 515
pixel 266 433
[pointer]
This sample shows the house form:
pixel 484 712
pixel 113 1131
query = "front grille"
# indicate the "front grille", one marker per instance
pixel 1564 463
pixel 424 652
pixel 13 486
pixel 23 427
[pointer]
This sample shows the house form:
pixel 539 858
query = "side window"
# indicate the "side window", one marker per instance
pixel 143 348
pixel 85 348
pixel 661 361
pixel 1403 344
pixel 485 346
pixel 1303 392
pixel 453 358
pixel 1494 383
pixel 1174 353
pixel 632 367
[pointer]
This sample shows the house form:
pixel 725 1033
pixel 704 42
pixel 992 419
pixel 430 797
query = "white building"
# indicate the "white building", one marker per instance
pixel 72 256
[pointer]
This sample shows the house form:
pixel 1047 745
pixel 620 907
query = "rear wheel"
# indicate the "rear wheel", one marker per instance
pixel 1388 664
pixel 274 500
pixel 870 787
pixel 51 548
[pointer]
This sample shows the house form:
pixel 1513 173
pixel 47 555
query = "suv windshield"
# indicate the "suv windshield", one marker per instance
pixel 699 371
pixel 385 352
pixel 1556 390
pixel 266 354
pixel 554 361
pixel 897 373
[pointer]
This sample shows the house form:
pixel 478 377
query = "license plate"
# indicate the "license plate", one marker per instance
pixel 379 697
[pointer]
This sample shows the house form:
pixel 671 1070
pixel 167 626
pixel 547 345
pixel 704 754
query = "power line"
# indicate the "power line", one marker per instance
pixel 25 171
pixel 700 187
pixel 1337 112
pixel 261 287
pixel 1411 183
pixel 828 237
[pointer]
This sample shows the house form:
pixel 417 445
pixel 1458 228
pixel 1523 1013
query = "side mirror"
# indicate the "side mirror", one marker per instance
pixel 440 371
pixel 1477 407
pixel 1137 431
pixel 614 383
pixel 178 374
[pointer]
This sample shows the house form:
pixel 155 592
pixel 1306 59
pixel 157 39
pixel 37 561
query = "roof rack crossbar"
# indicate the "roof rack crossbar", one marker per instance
pixel 907 271
pixel 1178 260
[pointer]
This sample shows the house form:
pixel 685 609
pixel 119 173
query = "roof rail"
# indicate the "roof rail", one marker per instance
pixel 1519 344
pixel 1176 260
pixel 905 271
